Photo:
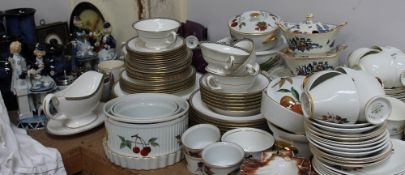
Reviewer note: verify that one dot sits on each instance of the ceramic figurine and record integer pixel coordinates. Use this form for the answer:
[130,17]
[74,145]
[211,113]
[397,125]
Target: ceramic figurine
[19,84]
[56,60]
[82,46]
[38,67]
[107,44]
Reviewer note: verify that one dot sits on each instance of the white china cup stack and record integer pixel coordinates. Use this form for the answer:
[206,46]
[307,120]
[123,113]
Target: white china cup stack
[345,112]
[312,46]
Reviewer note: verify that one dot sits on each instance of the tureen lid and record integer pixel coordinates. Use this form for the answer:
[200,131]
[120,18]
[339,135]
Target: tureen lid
[309,26]
[254,22]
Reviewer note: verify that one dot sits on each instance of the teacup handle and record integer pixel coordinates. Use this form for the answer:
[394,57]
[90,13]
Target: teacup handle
[47,102]
[252,70]
[211,83]
[172,38]
[229,63]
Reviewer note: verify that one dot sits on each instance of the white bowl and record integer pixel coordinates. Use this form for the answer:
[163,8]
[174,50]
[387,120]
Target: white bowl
[253,141]
[197,137]
[222,157]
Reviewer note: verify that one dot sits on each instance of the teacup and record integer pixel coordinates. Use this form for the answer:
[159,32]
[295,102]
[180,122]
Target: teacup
[337,100]
[114,67]
[367,85]
[253,141]
[396,121]
[76,104]
[230,83]
[222,158]
[197,137]
[157,33]
[223,59]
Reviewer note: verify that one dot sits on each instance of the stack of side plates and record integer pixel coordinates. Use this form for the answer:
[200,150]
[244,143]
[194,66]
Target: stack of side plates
[348,145]
[243,103]
[394,164]
[201,113]
[398,93]
[165,70]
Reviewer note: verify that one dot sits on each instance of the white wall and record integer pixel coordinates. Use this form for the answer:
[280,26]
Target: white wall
[370,22]
[49,10]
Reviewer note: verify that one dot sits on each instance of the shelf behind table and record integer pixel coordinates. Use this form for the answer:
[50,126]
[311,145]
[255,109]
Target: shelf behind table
[84,154]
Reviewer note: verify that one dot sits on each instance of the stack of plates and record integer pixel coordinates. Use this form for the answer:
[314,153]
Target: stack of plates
[394,164]
[165,70]
[243,103]
[201,113]
[348,145]
[398,93]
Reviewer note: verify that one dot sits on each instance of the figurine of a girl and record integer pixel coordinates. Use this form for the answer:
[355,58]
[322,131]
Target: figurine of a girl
[82,46]
[107,44]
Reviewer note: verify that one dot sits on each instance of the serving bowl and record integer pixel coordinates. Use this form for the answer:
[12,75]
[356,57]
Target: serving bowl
[310,37]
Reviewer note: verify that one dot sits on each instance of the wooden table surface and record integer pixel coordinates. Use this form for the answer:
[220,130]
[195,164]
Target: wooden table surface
[83,153]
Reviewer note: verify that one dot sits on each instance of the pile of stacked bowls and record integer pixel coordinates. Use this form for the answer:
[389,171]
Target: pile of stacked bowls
[230,93]
[345,112]
[311,46]
[157,59]
[261,27]
[143,130]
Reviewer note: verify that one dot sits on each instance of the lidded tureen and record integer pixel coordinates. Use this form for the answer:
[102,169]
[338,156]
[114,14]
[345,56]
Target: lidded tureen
[260,26]
[308,26]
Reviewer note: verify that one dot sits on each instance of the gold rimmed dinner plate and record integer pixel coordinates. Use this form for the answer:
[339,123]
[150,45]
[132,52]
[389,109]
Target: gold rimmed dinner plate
[157,87]
[140,83]
[137,46]
[168,78]
[163,67]
[222,97]
[169,59]
[171,90]
[224,104]
[158,70]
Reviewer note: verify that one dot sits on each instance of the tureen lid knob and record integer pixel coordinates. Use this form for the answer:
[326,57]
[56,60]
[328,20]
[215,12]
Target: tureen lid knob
[309,18]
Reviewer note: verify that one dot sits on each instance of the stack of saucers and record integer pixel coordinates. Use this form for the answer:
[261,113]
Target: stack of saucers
[158,60]
[143,130]
[349,145]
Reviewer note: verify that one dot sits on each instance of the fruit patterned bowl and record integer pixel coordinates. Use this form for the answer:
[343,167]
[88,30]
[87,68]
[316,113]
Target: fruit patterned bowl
[281,103]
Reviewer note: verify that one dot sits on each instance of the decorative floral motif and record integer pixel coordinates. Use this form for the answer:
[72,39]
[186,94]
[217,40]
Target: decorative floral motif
[334,119]
[302,44]
[140,145]
[313,67]
[261,26]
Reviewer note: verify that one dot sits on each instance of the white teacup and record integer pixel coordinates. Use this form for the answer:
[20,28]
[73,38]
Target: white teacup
[76,104]
[157,33]
[396,121]
[114,67]
[197,137]
[222,157]
[229,83]
[367,86]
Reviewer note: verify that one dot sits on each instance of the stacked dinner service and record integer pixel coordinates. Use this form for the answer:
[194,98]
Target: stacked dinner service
[262,28]
[312,46]
[143,130]
[157,59]
[230,93]
[355,134]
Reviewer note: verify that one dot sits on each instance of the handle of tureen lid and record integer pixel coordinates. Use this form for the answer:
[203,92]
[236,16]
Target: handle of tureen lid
[341,25]
[211,83]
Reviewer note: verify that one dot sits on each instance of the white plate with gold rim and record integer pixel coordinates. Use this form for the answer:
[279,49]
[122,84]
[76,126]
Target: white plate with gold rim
[345,125]
[360,144]
[137,45]
[260,83]
[344,130]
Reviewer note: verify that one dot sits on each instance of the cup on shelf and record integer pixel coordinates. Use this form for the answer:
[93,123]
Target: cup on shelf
[157,33]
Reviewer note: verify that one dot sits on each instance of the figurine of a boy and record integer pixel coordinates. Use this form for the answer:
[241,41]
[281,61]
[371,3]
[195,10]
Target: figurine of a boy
[82,46]
[107,44]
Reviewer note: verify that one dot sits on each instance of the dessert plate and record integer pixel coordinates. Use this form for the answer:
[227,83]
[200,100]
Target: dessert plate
[138,45]
[57,127]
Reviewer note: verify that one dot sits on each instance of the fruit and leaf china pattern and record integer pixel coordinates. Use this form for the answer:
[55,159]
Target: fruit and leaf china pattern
[315,66]
[303,44]
[140,145]
[334,119]
[282,144]
[292,99]
[254,21]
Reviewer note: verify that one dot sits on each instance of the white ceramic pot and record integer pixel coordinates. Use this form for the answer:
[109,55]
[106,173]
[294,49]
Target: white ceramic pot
[194,165]
[197,137]
[145,140]
[259,26]
[157,33]
[253,141]
[308,64]
[230,83]
[76,104]
[223,59]
[222,158]
[310,37]
[367,86]
[296,142]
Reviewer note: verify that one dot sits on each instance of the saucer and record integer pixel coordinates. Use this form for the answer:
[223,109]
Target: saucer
[56,127]
[137,45]
[260,83]
[117,90]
